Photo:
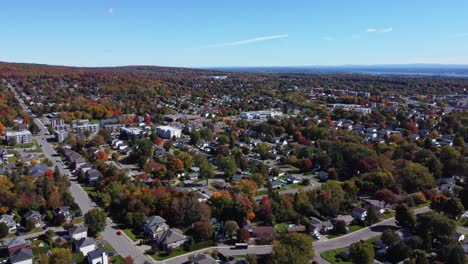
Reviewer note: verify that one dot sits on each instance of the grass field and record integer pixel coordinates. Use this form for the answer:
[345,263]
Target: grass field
[330,256]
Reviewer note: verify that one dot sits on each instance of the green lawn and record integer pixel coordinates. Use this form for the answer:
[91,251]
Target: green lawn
[330,256]
[261,193]
[162,255]
[90,190]
[388,214]
[352,228]
[292,168]
[297,186]
[130,234]
[77,220]
[36,149]
[423,204]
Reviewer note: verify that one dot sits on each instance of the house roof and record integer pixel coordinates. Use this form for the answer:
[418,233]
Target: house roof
[31,213]
[359,210]
[38,170]
[21,255]
[16,241]
[203,259]
[9,220]
[84,242]
[173,235]
[263,231]
[96,254]
[78,230]
[93,174]
[154,220]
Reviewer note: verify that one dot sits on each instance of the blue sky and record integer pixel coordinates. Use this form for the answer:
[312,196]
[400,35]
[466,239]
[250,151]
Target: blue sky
[233,33]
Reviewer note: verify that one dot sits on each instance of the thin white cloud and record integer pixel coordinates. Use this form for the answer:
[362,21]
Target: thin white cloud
[328,38]
[379,30]
[110,11]
[461,35]
[247,41]
[355,36]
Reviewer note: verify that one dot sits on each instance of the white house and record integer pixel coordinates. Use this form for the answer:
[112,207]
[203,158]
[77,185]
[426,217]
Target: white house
[85,245]
[168,132]
[78,232]
[98,256]
[359,213]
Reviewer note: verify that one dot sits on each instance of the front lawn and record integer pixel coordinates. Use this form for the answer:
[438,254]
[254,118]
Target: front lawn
[160,256]
[330,256]
[130,234]
[77,220]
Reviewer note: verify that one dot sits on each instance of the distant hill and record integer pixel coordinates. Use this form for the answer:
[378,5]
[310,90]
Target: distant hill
[35,69]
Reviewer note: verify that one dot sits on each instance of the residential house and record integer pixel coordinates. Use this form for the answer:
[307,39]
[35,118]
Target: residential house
[98,256]
[172,238]
[446,184]
[16,243]
[293,180]
[85,245]
[359,213]
[92,175]
[322,175]
[154,225]
[78,232]
[203,259]
[35,216]
[38,170]
[65,212]
[22,256]
[318,226]
[263,232]
[9,220]
[348,219]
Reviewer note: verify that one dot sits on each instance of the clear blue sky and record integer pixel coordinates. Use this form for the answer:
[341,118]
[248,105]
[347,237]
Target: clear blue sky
[233,33]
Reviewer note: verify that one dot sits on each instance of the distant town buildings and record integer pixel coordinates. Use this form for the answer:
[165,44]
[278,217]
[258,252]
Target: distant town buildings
[168,132]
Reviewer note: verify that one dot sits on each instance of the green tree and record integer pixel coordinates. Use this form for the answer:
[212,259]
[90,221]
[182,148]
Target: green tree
[293,249]
[95,219]
[60,255]
[405,216]
[414,177]
[331,197]
[195,138]
[390,237]
[207,171]
[362,253]
[231,227]
[228,165]
[30,225]
[372,216]
[4,229]
[251,258]
[437,225]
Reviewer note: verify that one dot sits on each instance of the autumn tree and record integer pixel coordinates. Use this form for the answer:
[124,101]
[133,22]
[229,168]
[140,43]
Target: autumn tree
[202,231]
[60,255]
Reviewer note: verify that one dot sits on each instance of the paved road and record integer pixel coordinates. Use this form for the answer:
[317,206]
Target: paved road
[122,244]
[225,250]
[363,234]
